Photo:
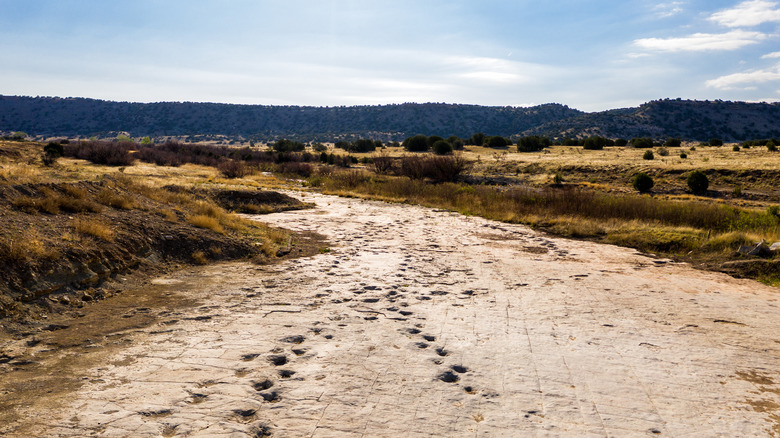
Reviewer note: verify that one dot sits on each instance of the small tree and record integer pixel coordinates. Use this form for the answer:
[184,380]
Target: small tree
[642,182]
[698,182]
[621,142]
[147,141]
[319,147]
[771,146]
[648,155]
[673,143]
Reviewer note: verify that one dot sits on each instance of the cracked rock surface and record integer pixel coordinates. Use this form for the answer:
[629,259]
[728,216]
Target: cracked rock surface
[420,322]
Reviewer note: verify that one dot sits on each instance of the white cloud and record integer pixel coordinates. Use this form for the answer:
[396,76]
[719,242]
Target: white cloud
[666,10]
[748,13]
[771,55]
[700,42]
[746,79]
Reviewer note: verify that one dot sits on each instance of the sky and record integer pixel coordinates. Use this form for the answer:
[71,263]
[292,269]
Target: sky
[592,55]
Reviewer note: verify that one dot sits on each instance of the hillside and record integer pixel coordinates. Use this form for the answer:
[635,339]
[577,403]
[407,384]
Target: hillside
[686,119]
[77,116]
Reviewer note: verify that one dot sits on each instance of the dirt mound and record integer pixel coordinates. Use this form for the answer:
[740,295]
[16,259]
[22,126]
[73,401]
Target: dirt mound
[248,201]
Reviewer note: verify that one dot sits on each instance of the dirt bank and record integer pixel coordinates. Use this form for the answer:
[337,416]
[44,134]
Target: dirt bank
[66,244]
[418,322]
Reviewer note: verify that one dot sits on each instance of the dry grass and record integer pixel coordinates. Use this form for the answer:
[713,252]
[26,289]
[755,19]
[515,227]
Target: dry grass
[200,257]
[94,228]
[208,222]
[111,198]
[24,250]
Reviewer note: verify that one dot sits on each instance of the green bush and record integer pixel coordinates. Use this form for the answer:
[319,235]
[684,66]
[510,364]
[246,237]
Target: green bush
[497,142]
[771,146]
[418,143]
[663,152]
[532,143]
[442,147]
[735,148]
[594,143]
[648,155]
[319,147]
[715,142]
[673,142]
[698,182]
[621,142]
[642,182]
[641,142]
[683,155]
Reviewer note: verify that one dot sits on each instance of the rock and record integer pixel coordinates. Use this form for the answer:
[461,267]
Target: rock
[86,297]
[760,249]
[65,300]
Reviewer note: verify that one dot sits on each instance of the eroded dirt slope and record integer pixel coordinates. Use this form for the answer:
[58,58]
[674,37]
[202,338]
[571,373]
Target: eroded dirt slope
[428,323]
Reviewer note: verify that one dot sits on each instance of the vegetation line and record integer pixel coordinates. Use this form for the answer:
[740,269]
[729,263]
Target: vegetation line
[693,231]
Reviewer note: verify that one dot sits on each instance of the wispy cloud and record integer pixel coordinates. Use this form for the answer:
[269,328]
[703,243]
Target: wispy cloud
[702,42]
[666,10]
[748,13]
[746,80]
[771,55]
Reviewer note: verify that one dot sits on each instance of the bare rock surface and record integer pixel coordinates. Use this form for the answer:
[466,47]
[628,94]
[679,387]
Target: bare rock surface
[419,322]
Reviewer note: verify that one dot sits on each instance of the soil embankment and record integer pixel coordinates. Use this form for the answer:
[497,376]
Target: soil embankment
[417,322]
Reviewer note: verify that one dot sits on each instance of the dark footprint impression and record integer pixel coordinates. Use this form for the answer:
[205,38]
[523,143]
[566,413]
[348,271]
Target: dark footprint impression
[448,377]
[278,360]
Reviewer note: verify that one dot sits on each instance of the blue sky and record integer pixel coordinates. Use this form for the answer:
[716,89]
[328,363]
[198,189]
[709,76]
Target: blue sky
[589,54]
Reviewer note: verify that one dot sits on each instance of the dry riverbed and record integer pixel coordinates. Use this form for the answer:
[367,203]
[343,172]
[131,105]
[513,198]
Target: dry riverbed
[419,322]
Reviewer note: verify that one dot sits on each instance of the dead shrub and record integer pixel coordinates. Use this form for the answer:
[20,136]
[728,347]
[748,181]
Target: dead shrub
[233,169]
[297,168]
[435,168]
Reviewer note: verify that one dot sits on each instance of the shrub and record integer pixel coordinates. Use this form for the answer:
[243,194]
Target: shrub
[557,179]
[683,155]
[663,152]
[199,257]
[594,143]
[698,182]
[285,145]
[673,142]
[442,147]
[735,148]
[621,142]
[477,139]
[532,143]
[102,152]
[715,142]
[418,143]
[437,168]
[319,147]
[648,155]
[54,149]
[233,169]
[297,168]
[362,145]
[771,146]
[642,182]
[641,142]
[383,165]
[497,141]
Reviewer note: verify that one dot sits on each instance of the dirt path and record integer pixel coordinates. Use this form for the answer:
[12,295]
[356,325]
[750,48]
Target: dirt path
[427,323]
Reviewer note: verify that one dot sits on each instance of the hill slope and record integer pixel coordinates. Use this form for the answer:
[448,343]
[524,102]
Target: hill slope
[686,119]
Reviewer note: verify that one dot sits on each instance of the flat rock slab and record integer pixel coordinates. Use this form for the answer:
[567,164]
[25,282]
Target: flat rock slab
[419,322]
